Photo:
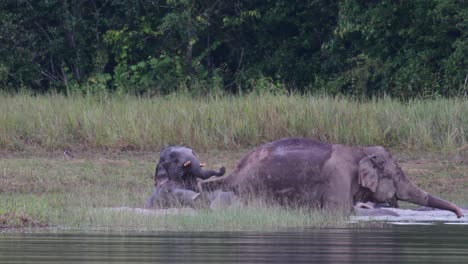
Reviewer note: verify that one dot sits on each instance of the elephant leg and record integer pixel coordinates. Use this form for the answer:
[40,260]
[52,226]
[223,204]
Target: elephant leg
[337,192]
[152,201]
[185,196]
[222,200]
[212,183]
[332,205]
[168,195]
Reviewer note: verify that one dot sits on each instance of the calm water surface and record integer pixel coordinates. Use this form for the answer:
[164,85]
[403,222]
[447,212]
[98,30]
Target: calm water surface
[397,244]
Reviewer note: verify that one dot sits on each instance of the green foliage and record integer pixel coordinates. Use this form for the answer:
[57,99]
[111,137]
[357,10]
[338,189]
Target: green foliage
[361,48]
[402,48]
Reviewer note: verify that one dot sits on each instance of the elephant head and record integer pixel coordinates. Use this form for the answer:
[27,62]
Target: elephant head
[180,164]
[176,178]
[382,176]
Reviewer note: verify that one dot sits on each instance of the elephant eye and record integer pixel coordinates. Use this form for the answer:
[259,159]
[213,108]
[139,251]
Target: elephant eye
[176,161]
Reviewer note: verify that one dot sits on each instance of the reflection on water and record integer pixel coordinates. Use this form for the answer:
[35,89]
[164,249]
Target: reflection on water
[398,244]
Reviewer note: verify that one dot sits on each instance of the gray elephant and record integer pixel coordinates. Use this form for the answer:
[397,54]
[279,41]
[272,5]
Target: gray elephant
[176,176]
[171,194]
[307,172]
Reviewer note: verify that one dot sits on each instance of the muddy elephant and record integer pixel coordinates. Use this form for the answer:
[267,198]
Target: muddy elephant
[176,178]
[307,172]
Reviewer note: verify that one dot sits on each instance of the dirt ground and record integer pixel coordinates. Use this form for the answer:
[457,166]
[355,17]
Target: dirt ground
[440,172]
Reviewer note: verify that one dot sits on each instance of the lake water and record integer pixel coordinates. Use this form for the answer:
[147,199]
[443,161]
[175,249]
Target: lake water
[395,244]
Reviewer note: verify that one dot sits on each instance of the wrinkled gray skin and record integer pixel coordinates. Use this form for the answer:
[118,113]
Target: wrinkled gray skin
[175,183]
[171,194]
[307,172]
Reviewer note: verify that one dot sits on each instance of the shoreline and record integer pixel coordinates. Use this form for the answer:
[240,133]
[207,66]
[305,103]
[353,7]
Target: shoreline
[52,189]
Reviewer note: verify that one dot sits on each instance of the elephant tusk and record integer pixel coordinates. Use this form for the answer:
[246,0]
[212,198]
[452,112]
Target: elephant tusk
[186,164]
[160,181]
[202,165]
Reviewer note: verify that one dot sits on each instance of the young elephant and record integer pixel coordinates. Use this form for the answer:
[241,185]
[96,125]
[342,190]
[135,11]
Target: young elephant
[180,164]
[176,177]
[315,174]
[171,194]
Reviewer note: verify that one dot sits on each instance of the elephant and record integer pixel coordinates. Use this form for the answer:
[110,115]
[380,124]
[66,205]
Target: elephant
[307,172]
[176,176]
[180,164]
[171,194]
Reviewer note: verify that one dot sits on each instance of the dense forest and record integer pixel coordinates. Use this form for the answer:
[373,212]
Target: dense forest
[405,49]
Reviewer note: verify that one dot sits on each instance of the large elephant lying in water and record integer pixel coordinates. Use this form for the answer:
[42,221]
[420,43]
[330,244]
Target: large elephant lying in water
[176,178]
[307,172]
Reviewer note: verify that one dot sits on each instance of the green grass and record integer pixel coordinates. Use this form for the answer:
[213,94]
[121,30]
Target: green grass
[73,194]
[130,123]
[240,218]
[36,180]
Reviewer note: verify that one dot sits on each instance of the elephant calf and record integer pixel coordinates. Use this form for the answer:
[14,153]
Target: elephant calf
[315,174]
[176,177]
[171,194]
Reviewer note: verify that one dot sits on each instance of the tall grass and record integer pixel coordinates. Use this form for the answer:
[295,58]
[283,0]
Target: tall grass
[55,121]
[238,218]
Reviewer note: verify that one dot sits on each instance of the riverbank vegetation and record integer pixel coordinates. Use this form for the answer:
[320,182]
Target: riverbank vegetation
[64,159]
[73,194]
[56,122]
[90,91]
[85,193]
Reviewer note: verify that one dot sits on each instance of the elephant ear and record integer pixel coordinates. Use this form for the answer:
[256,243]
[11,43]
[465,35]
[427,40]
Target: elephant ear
[368,176]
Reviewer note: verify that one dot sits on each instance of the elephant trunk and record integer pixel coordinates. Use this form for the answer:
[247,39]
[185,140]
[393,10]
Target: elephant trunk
[197,171]
[415,195]
[436,202]
[209,173]
[185,195]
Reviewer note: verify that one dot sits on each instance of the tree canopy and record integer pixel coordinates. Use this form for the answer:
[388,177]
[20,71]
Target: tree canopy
[356,47]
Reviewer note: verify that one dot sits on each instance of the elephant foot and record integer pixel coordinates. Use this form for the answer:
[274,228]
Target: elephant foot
[223,200]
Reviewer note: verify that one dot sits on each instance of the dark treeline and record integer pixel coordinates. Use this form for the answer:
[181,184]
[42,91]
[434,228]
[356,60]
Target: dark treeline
[400,48]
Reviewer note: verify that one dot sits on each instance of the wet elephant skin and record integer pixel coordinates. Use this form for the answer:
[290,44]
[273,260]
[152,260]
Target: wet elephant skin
[307,172]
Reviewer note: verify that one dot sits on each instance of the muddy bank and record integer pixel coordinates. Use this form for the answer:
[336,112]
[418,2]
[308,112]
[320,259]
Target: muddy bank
[390,215]
[14,220]
[407,216]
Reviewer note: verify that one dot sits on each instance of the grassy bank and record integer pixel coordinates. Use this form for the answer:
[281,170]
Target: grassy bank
[130,123]
[40,186]
[71,194]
